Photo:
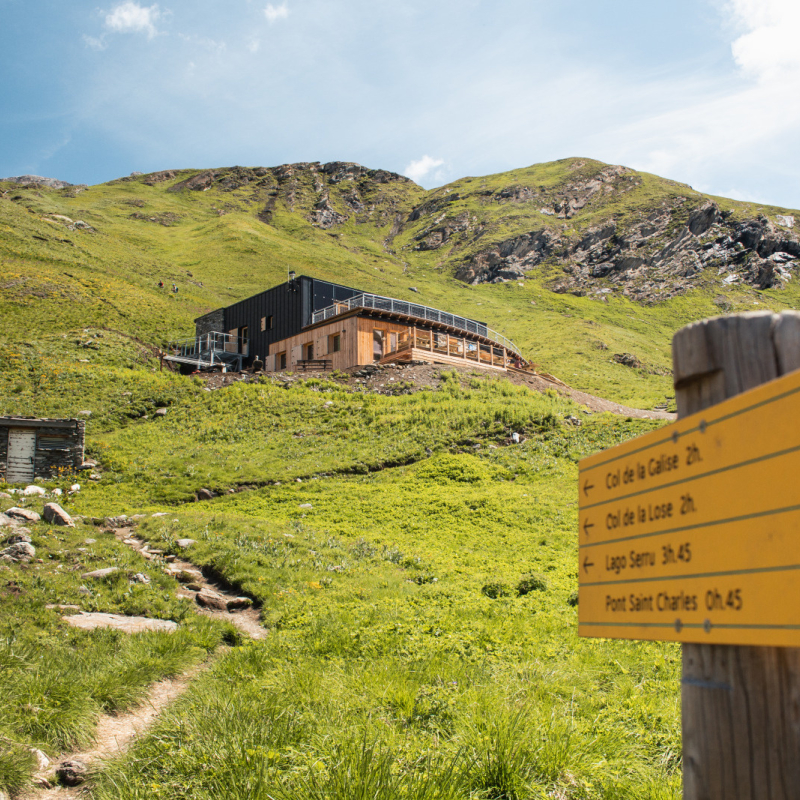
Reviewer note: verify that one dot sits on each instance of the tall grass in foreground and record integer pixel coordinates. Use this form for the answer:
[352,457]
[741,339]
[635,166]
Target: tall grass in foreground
[261,728]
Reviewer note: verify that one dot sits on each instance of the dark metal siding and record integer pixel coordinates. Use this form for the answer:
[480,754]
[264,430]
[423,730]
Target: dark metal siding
[284,303]
[290,306]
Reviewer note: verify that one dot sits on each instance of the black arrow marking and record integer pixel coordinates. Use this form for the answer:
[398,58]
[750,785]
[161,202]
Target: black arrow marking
[586,487]
[586,526]
[587,564]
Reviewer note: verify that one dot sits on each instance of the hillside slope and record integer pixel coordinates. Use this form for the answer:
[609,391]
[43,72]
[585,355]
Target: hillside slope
[588,267]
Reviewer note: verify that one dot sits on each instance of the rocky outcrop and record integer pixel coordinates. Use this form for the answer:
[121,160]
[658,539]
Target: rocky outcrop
[660,255]
[510,259]
[325,215]
[38,180]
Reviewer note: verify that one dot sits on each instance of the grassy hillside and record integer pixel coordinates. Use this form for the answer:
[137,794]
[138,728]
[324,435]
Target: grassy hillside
[421,617]
[225,234]
[415,569]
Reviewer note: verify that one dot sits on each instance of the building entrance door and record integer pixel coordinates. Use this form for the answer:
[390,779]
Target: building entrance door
[377,345]
[21,450]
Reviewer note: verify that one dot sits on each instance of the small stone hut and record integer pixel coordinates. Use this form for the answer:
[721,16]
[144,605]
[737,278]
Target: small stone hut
[39,448]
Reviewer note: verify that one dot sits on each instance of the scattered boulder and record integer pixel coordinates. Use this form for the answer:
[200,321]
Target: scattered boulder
[19,551]
[205,494]
[19,535]
[184,543]
[237,603]
[208,598]
[89,620]
[101,573]
[23,513]
[117,522]
[4,520]
[627,360]
[160,412]
[76,487]
[55,515]
[184,574]
[305,505]
[5,496]
[42,761]
[140,577]
[72,772]
[85,412]
[34,491]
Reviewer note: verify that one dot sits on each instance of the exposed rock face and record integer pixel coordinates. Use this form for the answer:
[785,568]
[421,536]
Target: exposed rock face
[510,259]
[653,259]
[330,194]
[38,180]
[325,216]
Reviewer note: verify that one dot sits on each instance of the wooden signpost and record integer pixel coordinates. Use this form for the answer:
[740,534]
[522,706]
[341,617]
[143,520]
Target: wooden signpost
[692,534]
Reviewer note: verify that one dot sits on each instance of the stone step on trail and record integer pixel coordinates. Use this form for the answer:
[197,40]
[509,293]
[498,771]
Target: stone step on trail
[212,598]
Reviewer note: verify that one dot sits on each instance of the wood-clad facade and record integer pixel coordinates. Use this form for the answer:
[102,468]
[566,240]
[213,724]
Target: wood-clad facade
[310,323]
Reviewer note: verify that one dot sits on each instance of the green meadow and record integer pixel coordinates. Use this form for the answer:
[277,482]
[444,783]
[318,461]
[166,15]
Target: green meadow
[415,570]
[419,586]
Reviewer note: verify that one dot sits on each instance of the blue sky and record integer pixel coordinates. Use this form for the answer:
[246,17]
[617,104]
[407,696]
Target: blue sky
[701,91]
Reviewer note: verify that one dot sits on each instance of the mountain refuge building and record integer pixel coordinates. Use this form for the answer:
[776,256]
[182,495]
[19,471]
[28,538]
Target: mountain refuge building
[310,323]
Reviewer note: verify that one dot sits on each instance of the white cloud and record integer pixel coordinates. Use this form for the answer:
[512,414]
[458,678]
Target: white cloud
[253,45]
[274,13]
[417,170]
[130,17]
[95,43]
[768,49]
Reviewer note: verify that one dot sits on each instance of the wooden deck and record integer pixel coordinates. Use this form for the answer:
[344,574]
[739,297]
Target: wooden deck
[417,354]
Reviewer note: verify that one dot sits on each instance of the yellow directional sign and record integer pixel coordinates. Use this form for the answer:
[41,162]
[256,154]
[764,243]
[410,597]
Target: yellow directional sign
[691,533]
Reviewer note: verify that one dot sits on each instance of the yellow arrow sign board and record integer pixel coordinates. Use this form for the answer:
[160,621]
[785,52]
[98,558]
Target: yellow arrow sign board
[691,533]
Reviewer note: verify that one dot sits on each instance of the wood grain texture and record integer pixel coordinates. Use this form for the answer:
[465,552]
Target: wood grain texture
[740,705]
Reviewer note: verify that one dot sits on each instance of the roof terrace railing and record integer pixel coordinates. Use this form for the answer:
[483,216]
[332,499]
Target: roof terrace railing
[208,350]
[407,309]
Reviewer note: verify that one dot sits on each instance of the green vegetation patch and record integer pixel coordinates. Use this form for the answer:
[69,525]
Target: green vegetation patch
[388,670]
[60,678]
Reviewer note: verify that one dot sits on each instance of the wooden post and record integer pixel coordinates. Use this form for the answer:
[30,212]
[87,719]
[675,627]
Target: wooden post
[740,705]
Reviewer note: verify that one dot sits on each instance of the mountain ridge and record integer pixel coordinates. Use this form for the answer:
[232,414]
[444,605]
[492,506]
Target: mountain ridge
[559,256]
